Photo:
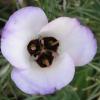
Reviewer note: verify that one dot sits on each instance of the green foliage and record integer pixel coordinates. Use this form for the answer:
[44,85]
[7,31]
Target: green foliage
[86,84]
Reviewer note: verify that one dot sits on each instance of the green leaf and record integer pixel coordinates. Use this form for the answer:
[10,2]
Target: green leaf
[66,93]
[80,81]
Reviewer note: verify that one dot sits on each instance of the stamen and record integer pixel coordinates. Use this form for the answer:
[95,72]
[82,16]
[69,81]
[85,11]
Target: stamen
[55,43]
[43,50]
[51,43]
[33,47]
[46,62]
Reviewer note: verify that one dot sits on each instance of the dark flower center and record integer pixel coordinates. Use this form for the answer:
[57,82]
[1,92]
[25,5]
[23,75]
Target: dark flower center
[44,49]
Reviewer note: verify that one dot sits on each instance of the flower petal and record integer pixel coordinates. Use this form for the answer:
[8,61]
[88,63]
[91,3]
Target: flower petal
[21,27]
[77,40]
[45,80]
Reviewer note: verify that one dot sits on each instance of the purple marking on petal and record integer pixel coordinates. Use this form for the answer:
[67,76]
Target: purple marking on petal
[47,81]
[18,32]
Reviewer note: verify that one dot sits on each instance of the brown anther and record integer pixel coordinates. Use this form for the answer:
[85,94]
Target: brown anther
[33,47]
[46,62]
[55,43]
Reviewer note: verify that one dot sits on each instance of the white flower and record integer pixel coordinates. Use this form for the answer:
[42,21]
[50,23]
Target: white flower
[44,55]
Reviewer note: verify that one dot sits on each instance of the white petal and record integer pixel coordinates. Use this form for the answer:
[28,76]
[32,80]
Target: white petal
[77,40]
[45,80]
[21,27]
[22,82]
[81,45]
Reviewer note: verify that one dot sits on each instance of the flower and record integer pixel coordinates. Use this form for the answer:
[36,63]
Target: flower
[44,55]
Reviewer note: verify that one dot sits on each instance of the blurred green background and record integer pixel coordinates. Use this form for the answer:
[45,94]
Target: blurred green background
[86,84]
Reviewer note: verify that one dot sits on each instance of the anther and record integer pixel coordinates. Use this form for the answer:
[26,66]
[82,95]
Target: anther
[33,47]
[46,62]
[55,43]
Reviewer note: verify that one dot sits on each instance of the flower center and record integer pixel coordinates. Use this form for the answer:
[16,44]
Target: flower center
[43,49]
